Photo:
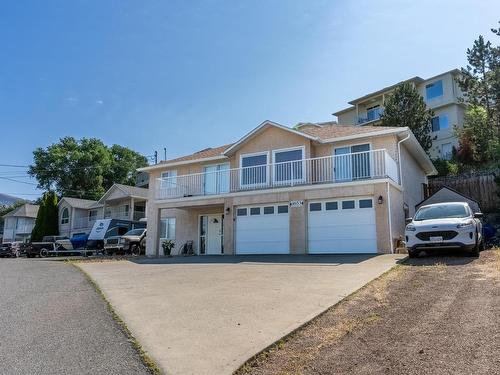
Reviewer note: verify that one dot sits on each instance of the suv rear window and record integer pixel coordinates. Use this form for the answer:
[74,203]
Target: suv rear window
[442,211]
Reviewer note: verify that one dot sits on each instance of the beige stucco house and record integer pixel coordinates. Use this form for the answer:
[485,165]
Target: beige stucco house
[318,188]
[441,93]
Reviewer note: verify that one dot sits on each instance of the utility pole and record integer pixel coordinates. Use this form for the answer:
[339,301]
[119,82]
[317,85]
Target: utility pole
[156,157]
[165,153]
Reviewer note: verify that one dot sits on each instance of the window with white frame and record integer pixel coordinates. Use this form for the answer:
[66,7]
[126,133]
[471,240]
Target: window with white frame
[65,216]
[167,228]
[169,179]
[446,151]
[254,169]
[288,165]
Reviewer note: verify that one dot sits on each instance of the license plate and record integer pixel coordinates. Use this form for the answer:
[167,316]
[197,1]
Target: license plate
[436,239]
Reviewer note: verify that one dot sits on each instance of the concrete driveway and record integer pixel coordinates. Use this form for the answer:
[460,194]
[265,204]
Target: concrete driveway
[207,315]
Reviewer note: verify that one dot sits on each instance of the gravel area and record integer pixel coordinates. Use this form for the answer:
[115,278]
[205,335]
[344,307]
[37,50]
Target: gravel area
[53,322]
[433,315]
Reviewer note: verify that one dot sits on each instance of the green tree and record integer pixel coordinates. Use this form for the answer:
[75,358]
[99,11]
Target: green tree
[477,139]
[124,163]
[480,79]
[84,168]
[406,107]
[46,222]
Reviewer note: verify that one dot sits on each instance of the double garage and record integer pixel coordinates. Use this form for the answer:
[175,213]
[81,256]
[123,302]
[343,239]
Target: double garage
[334,226]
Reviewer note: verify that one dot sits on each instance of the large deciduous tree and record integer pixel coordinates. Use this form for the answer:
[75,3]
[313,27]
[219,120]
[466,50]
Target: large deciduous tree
[406,107]
[84,168]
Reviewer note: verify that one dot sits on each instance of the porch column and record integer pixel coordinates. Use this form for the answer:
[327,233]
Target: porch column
[132,203]
[152,238]
[298,224]
[229,218]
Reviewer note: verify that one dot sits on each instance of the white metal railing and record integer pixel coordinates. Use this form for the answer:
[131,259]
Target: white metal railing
[329,169]
[84,222]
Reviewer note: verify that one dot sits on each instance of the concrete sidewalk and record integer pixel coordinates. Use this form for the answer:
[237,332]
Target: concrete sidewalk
[207,315]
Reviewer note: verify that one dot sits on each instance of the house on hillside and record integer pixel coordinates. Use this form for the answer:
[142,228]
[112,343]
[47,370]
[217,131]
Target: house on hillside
[313,189]
[122,202]
[441,93]
[19,223]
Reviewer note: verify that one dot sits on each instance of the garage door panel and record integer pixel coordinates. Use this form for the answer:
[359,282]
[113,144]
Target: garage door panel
[340,231]
[263,233]
[342,246]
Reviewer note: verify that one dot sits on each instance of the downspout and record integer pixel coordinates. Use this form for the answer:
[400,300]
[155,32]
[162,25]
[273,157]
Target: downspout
[399,158]
[390,215]
[389,189]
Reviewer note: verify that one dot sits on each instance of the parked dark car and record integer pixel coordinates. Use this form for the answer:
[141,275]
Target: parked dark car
[8,251]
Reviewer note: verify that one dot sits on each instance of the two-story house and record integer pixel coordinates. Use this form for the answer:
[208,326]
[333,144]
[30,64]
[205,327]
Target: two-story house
[121,202]
[19,223]
[318,188]
[441,93]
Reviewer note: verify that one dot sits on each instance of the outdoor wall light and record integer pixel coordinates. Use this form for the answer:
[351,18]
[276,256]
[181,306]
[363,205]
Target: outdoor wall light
[380,199]
[228,210]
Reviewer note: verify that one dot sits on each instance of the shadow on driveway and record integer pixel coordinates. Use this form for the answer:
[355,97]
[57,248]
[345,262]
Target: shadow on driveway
[320,260]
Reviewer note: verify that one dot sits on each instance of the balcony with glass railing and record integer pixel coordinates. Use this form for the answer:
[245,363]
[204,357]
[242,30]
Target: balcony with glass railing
[367,165]
[373,114]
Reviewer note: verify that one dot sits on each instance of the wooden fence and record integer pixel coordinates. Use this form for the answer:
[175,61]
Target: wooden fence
[479,186]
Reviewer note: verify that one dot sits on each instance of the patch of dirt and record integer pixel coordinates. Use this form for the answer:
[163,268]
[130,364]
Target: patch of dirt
[433,315]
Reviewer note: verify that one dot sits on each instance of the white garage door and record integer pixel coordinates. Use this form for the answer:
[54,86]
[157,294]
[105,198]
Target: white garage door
[342,226]
[262,229]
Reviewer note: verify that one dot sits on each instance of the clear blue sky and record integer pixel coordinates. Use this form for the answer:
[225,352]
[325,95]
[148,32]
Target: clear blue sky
[191,74]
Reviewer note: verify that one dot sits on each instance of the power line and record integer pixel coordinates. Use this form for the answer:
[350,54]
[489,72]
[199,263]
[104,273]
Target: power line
[14,166]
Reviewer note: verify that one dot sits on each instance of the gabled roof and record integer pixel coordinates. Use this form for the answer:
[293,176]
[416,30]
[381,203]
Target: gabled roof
[445,187]
[78,202]
[127,190]
[323,132]
[26,210]
[266,124]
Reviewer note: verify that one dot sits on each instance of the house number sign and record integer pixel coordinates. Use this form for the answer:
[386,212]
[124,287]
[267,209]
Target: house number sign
[295,204]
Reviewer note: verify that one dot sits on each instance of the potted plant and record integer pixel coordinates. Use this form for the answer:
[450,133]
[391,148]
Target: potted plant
[167,246]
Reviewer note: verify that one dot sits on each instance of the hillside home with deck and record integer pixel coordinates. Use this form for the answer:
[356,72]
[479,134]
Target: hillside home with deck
[315,189]
[122,202]
[441,93]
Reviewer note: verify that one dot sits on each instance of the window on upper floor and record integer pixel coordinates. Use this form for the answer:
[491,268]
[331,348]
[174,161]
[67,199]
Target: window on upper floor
[288,165]
[65,216]
[254,169]
[446,151]
[434,90]
[169,179]
[439,123]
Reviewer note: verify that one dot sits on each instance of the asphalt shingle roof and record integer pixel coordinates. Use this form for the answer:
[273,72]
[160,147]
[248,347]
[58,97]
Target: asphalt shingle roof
[26,210]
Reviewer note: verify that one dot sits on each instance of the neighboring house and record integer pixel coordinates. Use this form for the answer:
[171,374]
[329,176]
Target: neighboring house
[77,216]
[441,93]
[19,223]
[447,194]
[319,188]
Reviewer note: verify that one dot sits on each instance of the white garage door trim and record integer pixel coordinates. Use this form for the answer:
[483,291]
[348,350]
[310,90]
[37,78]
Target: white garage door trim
[262,229]
[342,226]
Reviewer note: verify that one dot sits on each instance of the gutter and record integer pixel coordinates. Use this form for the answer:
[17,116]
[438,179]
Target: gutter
[390,216]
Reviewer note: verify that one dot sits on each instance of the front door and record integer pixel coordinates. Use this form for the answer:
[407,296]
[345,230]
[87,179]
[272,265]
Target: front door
[214,235]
